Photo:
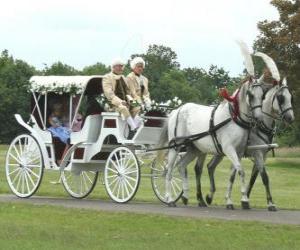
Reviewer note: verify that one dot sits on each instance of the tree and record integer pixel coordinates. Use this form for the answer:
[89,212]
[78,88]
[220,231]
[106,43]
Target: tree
[14,76]
[96,69]
[174,83]
[58,68]
[281,40]
[159,60]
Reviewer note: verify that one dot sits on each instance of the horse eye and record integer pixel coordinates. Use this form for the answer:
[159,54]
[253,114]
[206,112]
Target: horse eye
[280,99]
[250,94]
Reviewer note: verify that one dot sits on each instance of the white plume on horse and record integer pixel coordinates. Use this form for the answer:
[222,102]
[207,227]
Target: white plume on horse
[248,62]
[270,64]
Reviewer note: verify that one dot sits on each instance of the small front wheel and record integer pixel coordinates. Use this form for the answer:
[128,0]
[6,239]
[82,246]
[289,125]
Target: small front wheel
[79,183]
[158,181]
[122,175]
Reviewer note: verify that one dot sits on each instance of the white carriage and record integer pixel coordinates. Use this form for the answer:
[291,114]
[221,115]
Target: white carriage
[99,146]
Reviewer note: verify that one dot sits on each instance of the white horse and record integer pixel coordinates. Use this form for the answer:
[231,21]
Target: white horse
[277,103]
[191,119]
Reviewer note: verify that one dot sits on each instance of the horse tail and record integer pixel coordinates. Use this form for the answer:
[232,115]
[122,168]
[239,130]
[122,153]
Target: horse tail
[162,142]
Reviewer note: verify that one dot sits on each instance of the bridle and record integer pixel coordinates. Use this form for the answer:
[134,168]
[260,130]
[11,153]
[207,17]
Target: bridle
[280,99]
[251,96]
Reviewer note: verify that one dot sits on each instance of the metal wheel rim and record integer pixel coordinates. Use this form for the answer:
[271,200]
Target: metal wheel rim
[158,181]
[24,166]
[121,175]
[79,184]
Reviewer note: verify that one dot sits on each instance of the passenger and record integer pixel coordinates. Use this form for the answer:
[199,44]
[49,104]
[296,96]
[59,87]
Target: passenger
[138,86]
[77,123]
[57,127]
[117,92]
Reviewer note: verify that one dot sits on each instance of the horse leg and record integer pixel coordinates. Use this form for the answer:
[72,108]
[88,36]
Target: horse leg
[198,173]
[229,203]
[232,155]
[211,167]
[184,161]
[260,164]
[253,177]
[172,154]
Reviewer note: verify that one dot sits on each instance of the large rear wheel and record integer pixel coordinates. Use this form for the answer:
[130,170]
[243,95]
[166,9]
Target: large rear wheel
[24,166]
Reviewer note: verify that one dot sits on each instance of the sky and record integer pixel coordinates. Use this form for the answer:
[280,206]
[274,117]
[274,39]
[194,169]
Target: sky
[81,33]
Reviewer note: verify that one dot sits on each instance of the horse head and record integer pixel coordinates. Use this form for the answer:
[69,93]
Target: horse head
[282,102]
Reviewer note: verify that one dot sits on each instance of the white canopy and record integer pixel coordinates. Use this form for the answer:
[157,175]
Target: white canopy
[61,84]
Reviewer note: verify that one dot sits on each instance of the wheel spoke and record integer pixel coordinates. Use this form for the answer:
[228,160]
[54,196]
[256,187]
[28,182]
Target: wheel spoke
[17,152]
[17,160]
[17,175]
[129,184]
[34,159]
[130,172]
[112,176]
[12,172]
[114,188]
[113,181]
[20,147]
[176,185]
[26,181]
[31,180]
[87,176]
[116,172]
[115,165]
[118,163]
[23,183]
[84,181]
[36,175]
[129,177]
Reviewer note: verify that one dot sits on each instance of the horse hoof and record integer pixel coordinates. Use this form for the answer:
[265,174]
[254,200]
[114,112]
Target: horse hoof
[230,206]
[202,204]
[208,199]
[272,208]
[184,200]
[245,204]
[172,204]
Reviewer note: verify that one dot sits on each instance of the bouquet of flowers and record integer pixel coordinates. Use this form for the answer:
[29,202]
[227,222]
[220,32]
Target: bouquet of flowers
[103,102]
[164,107]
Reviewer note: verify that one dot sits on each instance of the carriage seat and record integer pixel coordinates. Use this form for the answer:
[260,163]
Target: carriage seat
[90,130]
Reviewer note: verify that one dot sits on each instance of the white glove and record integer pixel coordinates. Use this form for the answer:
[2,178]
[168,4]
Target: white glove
[147,104]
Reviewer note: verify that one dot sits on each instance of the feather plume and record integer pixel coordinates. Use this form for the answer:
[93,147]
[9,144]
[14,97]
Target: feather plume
[270,64]
[247,57]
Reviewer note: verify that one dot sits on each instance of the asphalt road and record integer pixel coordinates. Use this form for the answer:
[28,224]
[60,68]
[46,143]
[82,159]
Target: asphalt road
[262,215]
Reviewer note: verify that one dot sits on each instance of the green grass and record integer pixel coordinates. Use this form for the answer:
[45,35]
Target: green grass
[46,227]
[284,173]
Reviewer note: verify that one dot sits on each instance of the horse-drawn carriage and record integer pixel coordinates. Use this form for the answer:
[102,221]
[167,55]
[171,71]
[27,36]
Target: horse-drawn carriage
[100,145]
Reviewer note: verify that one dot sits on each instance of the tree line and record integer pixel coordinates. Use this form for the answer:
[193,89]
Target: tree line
[280,39]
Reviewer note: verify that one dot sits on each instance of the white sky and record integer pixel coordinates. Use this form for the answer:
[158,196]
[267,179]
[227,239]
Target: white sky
[81,33]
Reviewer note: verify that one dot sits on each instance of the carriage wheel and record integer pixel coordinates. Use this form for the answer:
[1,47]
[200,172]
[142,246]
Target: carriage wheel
[158,181]
[24,166]
[79,183]
[122,175]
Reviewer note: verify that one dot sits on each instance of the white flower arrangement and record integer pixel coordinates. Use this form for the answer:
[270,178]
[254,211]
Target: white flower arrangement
[71,88]
[164,107]
[73,85]
[103,102]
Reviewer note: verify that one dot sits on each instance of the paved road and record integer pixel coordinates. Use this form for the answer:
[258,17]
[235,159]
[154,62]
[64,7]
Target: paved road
[279,217]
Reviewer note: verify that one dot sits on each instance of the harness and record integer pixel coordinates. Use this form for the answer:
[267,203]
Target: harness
[186,140]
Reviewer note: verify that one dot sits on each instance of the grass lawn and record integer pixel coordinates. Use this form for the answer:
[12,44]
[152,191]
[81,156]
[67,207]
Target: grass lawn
[35,227]
[44,227]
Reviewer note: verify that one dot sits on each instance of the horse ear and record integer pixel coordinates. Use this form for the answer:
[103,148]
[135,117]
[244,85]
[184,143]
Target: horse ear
[284,82]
